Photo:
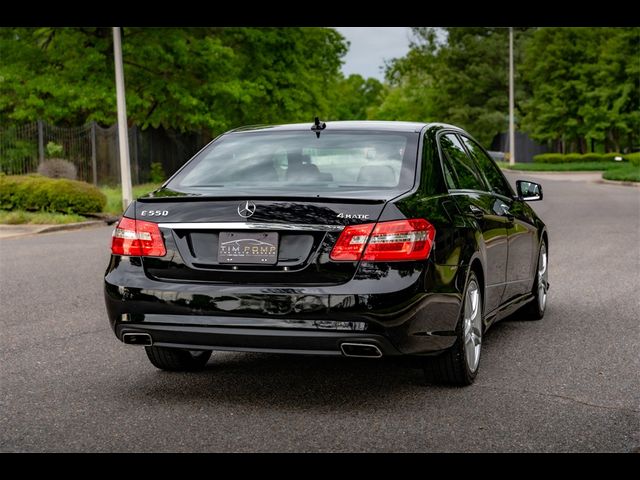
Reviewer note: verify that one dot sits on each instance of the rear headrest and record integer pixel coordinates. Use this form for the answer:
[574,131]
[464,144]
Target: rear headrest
[381,175]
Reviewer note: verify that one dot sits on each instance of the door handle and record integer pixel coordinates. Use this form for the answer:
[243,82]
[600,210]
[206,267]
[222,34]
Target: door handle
[505,210]
[476,212]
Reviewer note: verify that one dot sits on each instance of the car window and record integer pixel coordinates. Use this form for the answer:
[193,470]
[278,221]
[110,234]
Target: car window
[449,175]
[491,171]
[468,177]
[301,161]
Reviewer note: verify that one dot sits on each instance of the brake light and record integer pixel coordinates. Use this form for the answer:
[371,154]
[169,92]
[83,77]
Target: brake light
[137,238]
[351,243]
[395,241]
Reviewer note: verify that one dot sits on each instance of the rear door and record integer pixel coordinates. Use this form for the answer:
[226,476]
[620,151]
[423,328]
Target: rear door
[469,189]
[521,229]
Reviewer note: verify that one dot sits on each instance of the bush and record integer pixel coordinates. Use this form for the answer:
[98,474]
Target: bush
[576,157]
[58,168]
[53,150]
[34,192]
[157,173]
[634,158]
[609,157]
[627,172]
[549,158]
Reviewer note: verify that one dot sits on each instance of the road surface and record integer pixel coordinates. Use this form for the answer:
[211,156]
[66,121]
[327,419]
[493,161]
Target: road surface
[570,382]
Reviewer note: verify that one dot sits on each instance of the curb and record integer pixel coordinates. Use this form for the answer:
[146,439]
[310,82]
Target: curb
[618,182]
[71,226]
[7,233]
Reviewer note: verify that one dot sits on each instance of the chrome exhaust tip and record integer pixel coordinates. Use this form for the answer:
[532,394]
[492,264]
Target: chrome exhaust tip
[143,339]
[361,350]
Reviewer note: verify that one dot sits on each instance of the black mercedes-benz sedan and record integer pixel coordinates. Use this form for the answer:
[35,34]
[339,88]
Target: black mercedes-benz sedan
[361,239]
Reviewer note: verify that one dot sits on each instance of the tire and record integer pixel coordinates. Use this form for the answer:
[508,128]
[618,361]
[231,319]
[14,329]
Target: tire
[534,310]
[177,359]
[459,365]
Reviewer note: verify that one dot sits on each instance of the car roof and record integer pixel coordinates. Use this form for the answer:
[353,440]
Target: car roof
[346,125]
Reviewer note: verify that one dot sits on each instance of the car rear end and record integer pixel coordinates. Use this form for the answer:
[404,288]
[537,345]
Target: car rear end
[273,240]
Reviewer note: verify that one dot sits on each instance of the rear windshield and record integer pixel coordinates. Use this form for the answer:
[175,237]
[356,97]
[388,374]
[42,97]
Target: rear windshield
[299,161]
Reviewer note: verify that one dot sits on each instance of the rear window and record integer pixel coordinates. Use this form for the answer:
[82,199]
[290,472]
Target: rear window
[299,161]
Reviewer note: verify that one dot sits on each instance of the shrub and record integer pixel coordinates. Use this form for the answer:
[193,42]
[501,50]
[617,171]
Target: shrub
[576,157]
[592,157]
[58,168]
[53,150]
[634,158]
[609,157]
[549,158]
[157,173]
[627,173]
[34,192]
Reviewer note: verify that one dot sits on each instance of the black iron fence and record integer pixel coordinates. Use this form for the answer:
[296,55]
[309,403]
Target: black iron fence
[94,150]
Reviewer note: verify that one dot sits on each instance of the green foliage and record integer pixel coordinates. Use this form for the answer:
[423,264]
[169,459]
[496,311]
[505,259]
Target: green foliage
[19,217]
[53,150]
[564,167]
[626,173]
[559,158]
[633,158]
[462,81]
[34,192]
[157,173]
[186,79]
[114,195]
[353,96]
[14,151]
[583,84]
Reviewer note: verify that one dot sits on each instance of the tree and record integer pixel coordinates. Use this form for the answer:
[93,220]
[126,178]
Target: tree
[188,79]
[454,75]
[354,96]
[583,87]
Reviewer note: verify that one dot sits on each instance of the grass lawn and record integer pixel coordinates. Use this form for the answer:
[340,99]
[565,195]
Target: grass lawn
[114,196]
[20,217]
[628,173]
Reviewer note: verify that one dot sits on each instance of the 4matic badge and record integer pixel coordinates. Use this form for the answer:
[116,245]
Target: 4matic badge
[359,216]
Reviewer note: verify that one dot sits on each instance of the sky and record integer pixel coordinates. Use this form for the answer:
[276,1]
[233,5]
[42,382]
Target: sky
[371,46]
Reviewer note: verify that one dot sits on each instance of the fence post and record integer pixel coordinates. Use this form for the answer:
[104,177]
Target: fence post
[40,142]
[94,163]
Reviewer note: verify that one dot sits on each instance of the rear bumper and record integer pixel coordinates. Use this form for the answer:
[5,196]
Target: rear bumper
[399,314]
[255,339]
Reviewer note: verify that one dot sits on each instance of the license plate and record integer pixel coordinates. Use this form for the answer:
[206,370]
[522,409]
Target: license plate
[248,247]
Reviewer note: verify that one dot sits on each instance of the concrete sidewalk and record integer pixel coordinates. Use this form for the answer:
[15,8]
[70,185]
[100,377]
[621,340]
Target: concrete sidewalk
[12,231]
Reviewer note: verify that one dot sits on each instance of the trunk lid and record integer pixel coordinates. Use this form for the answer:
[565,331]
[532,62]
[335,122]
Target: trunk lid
[306,229]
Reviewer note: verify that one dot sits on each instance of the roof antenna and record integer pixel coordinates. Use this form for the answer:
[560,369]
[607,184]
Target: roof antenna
[318,126]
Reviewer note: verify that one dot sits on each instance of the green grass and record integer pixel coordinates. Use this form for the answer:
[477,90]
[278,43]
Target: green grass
[627,173]
[114,196]
[564,167]
[21,217]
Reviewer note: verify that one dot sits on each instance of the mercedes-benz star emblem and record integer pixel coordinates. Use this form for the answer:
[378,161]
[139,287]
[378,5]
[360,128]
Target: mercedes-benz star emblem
[246,209]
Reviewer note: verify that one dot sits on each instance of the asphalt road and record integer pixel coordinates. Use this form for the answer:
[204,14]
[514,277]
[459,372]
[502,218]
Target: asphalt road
[570,382]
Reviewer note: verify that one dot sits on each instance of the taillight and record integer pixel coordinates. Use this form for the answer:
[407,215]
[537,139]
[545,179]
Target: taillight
[137,238]
[395,241]
[351,242]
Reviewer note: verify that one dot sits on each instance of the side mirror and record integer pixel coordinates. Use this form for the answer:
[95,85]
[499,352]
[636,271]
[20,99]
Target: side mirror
[528,191]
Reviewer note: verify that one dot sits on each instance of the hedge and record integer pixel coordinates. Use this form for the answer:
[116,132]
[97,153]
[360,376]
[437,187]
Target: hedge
[35,192]
[577,157]
[634,158]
